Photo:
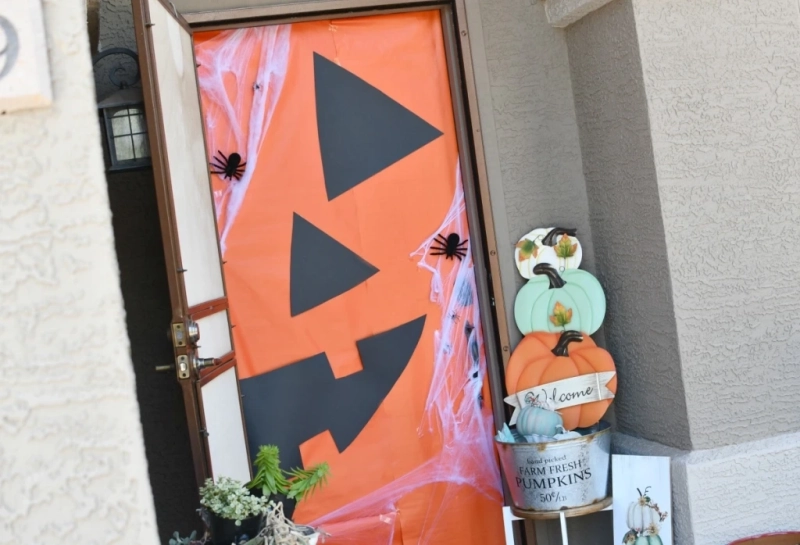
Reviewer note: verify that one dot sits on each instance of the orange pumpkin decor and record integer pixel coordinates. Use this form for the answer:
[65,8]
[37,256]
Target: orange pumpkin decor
[348,266]
[544,358]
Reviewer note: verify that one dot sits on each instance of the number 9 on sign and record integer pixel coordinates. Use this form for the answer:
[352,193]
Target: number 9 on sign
[9,46]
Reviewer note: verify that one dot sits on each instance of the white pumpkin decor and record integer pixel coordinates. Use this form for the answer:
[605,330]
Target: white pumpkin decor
[555,246]
[644,520]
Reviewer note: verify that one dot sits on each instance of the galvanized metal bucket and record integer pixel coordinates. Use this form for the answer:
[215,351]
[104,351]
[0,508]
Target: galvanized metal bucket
[559,474]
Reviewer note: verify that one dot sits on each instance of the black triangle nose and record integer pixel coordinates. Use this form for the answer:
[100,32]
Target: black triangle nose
[310,284]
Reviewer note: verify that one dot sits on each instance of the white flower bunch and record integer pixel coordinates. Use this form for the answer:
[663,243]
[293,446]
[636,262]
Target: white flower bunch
[230,499]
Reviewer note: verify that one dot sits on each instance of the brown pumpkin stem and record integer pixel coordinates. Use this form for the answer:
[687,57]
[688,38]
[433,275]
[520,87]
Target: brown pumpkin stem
[550,239]
[562,347]
[548,270]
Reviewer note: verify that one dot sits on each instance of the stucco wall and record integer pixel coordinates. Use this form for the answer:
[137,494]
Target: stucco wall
[72,466]
[115,30]
[627,227]
[723,92]
[529,130]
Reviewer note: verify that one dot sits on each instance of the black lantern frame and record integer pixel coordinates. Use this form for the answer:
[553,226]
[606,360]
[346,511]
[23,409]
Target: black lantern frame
[123,114]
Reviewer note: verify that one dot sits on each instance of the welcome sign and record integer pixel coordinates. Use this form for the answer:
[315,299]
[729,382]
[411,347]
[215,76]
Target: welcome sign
[563,393]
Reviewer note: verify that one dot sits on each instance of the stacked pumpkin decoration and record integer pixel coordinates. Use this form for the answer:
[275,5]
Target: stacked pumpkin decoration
[644,521]
[557,310]
[542,358]
[555,246]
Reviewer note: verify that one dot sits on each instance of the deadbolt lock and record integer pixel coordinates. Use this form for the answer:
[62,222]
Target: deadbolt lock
[192,331]
[183,334]
[178,335]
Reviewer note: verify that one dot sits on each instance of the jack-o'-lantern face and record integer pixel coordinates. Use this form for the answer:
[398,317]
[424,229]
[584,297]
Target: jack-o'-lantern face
[344,234]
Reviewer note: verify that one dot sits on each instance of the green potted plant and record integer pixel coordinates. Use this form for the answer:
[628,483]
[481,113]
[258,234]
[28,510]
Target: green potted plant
[235,512]
[232,512]
[277,484]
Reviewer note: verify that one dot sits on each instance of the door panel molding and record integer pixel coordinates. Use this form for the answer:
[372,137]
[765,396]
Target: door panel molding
[183,187]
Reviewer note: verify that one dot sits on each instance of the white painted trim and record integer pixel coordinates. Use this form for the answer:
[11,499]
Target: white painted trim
[562,13]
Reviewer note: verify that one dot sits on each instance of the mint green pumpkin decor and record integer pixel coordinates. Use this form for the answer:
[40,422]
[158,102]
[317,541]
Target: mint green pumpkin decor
[648,540]
[555,303]
[538,421]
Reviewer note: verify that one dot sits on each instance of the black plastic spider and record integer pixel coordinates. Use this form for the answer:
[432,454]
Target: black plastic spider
[229,167]
[450,246]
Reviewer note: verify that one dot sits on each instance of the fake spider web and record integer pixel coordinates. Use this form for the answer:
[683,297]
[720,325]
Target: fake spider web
[228,61]
[454,411]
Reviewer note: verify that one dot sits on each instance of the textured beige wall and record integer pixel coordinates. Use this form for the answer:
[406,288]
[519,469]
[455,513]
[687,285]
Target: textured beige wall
[625,210]
[188,6]
[723,92]
[562,13]
[72,466]
[529,130]
[115,30]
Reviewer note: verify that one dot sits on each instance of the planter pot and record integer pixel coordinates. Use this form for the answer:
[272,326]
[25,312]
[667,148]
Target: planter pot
[224,531]
[566,474]
[310,533]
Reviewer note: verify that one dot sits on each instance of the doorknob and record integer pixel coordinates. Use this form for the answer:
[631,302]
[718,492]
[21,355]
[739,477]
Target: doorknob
[203,363]
[183,363]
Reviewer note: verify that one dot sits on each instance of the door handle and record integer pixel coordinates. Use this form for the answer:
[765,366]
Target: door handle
[183,362]
[203,363]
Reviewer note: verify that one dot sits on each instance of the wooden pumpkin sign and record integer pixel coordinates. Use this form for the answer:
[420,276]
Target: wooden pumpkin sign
[553,302]
[546,358]
[555,246]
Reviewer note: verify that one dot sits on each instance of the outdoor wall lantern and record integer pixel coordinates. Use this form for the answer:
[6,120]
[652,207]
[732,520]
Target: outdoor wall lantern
[124,124]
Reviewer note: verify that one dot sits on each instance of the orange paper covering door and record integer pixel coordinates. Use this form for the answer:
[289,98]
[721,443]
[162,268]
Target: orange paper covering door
[346,292]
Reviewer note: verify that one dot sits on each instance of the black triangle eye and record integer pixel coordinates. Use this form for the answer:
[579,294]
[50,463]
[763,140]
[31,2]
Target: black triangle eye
[362,130]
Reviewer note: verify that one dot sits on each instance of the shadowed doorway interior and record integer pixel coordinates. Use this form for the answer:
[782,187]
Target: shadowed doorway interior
[145,291]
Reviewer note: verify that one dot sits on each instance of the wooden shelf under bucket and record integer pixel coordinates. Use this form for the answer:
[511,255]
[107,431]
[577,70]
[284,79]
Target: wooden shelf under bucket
[568,513]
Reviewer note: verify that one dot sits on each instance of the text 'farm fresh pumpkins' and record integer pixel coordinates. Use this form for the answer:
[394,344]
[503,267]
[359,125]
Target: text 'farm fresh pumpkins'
[552,302]
[542,358]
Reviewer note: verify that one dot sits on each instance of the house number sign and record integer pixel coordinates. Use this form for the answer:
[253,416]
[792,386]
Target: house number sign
[24,65]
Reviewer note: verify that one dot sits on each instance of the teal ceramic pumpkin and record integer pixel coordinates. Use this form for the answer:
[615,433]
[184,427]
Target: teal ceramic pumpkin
[538,421]
[552,302]
[648,540]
